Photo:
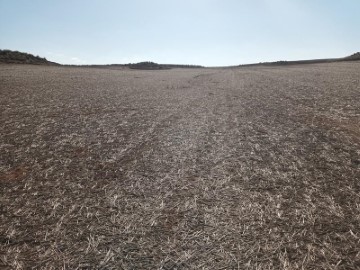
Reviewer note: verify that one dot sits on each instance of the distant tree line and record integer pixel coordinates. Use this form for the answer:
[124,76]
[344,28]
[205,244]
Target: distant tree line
[16,57]
[152,66]
[353,57]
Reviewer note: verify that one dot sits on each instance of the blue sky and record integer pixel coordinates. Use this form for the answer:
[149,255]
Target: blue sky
[206,32]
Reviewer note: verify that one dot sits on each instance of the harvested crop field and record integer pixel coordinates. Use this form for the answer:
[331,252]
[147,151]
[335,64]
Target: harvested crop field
[243,168]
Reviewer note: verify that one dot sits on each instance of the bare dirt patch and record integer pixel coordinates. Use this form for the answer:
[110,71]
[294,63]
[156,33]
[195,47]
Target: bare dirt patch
[251,168]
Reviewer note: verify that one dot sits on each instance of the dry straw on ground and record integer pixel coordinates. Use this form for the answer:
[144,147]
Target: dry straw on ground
[251,168]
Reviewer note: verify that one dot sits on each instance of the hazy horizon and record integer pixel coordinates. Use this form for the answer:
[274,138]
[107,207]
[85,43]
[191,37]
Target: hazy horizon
[209,33]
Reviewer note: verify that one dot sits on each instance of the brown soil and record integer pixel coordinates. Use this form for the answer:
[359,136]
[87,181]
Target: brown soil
[249,168]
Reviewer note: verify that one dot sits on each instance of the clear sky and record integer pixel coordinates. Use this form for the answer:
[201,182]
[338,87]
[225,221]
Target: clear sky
[206,32]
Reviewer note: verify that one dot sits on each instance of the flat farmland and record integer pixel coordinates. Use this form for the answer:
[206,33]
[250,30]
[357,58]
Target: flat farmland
[237,168]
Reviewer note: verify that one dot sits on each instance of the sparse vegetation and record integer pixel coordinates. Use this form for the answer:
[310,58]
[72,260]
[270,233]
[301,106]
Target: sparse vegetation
[253,168]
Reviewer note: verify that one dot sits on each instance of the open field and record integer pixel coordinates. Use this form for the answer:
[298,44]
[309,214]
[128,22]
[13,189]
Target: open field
[247,168]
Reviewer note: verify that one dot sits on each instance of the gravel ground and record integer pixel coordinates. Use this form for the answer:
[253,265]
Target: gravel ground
[248,168]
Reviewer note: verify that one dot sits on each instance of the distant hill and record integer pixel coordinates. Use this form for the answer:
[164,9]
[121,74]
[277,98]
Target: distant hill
[353,57]
[147,65]
[152,66]
[143,66]
[15,57]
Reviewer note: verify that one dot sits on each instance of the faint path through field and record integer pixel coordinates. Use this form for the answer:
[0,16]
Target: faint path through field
[237,168]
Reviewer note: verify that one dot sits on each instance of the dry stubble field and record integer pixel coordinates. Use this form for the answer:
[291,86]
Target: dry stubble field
[251,168]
